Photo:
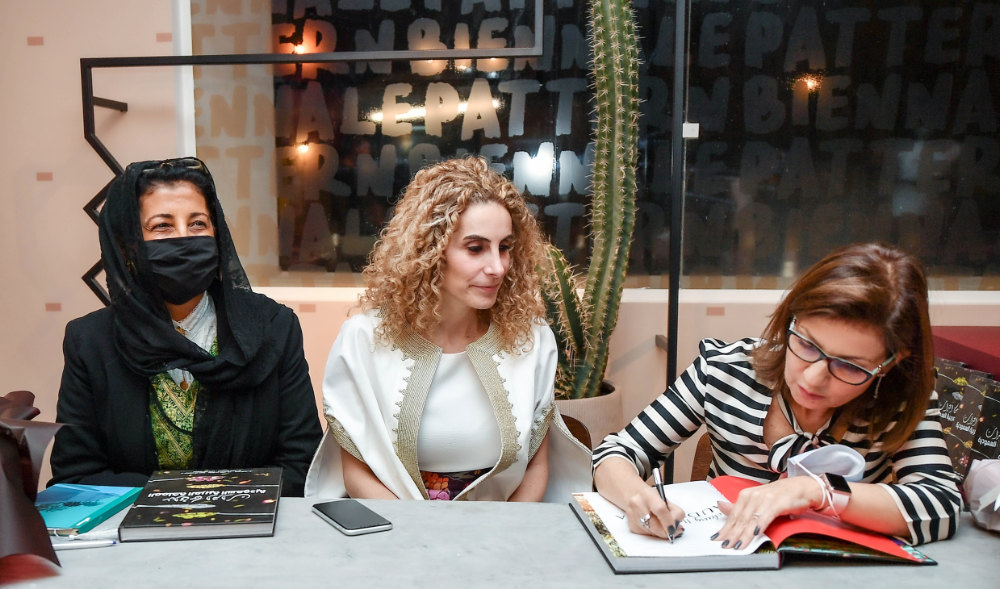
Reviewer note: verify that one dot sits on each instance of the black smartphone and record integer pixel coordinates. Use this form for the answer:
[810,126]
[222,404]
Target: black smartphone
[351,517]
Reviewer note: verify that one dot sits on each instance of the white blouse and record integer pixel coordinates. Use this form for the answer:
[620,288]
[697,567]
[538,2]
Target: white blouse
[200,327]
[458,430]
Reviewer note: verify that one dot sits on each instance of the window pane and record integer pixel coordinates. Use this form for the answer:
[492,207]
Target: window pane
[820,125]
[843,122]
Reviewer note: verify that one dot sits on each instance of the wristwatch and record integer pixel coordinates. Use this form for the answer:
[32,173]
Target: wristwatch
[840,492]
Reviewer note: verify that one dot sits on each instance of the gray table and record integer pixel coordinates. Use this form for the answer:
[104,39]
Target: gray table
[437,544]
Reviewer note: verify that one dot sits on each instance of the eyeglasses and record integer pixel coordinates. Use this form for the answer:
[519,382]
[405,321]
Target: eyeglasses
[841,369]
[190,163]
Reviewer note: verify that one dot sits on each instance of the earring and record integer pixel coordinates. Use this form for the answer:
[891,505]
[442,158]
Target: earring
[878,383]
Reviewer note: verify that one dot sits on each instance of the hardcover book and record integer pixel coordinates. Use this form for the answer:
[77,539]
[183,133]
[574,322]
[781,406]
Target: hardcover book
[986,443]
[69,509]
[960,435]
[808,534]
[190,504]
[957,402]
[950,386]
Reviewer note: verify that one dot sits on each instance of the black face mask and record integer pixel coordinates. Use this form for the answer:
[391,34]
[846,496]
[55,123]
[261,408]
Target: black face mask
[183,267]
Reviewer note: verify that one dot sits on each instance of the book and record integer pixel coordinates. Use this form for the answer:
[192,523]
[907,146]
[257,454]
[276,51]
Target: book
[960,434]
[986,442]
[950,381]
[190,504]
[969,404]
[70,509]
[809,534]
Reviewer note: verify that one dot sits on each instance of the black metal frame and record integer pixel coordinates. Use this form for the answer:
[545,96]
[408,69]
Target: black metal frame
[677,188]
[677,182]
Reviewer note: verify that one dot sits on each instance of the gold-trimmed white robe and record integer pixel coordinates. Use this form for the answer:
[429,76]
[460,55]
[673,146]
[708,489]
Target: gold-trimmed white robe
[374,394]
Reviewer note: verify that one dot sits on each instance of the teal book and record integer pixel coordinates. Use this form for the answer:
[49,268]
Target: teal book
[74,509]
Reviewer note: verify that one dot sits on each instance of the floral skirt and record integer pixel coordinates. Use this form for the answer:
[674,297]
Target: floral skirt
[444,486]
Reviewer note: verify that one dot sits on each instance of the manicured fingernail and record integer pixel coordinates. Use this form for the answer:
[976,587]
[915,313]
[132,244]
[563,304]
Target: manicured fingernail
[714,536]
[756,531]
[737,545]
[725,543]
[671,530]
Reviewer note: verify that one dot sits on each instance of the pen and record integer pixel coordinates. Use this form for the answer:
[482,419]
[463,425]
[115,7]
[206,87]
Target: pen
[658,481]
[83,544]
[91,535]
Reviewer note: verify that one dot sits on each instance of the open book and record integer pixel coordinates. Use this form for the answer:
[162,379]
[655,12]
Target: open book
[808,534]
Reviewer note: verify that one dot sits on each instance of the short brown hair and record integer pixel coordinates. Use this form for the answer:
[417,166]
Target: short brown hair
[874,285]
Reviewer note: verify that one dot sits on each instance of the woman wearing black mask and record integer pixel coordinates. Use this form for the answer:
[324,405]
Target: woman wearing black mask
[188,367]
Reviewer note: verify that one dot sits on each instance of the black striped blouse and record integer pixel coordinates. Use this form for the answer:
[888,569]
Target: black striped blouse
[721,391]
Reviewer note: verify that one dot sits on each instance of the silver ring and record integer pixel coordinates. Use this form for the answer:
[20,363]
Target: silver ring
[644,521]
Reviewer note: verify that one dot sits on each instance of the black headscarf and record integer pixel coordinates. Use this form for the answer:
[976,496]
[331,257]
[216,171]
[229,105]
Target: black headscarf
[144,334]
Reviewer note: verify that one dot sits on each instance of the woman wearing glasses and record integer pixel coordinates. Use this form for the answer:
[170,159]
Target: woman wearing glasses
[847,359]
[188,368]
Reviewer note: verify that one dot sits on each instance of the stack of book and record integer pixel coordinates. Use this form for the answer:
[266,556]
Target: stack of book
[970,413]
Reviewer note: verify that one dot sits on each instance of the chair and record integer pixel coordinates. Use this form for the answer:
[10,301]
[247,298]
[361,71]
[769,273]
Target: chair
[702,458]
[18,405]
[578,429]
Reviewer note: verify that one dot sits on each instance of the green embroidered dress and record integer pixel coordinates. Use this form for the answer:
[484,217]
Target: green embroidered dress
[173,409]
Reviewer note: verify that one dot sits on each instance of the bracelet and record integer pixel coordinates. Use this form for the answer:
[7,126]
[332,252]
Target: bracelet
[827,506]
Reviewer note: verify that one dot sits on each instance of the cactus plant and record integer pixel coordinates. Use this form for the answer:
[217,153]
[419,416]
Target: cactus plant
[584,325]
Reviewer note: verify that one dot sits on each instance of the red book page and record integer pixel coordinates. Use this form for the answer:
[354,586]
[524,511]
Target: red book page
[783,527]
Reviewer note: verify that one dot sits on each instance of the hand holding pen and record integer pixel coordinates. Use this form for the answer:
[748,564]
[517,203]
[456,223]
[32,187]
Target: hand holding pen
[658,481]
[659,517]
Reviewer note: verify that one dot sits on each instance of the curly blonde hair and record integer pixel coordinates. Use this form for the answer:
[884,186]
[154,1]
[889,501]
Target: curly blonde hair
[404,272]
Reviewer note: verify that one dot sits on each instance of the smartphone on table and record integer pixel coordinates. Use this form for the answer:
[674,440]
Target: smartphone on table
[351,517]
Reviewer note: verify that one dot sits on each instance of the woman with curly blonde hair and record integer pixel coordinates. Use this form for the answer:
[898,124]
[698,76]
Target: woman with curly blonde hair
[406,270]
[442,388]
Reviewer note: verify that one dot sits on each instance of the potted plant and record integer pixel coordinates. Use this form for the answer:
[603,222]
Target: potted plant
[583,324]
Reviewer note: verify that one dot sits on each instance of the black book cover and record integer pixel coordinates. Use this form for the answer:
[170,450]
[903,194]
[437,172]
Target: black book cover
[986,443]
[961,435]
[188,504]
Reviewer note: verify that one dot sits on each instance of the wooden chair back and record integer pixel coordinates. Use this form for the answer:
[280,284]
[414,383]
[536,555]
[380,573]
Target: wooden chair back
[702,458]
[578,429]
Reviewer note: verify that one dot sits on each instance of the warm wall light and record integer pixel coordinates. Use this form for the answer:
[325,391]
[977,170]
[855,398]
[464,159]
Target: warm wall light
[812,81]
[303,148]
[300,49]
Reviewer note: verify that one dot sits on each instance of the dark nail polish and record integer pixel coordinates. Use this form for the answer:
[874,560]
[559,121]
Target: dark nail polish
[737,545]
[725,543]
[714,536]
[756,531]
[671,530]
